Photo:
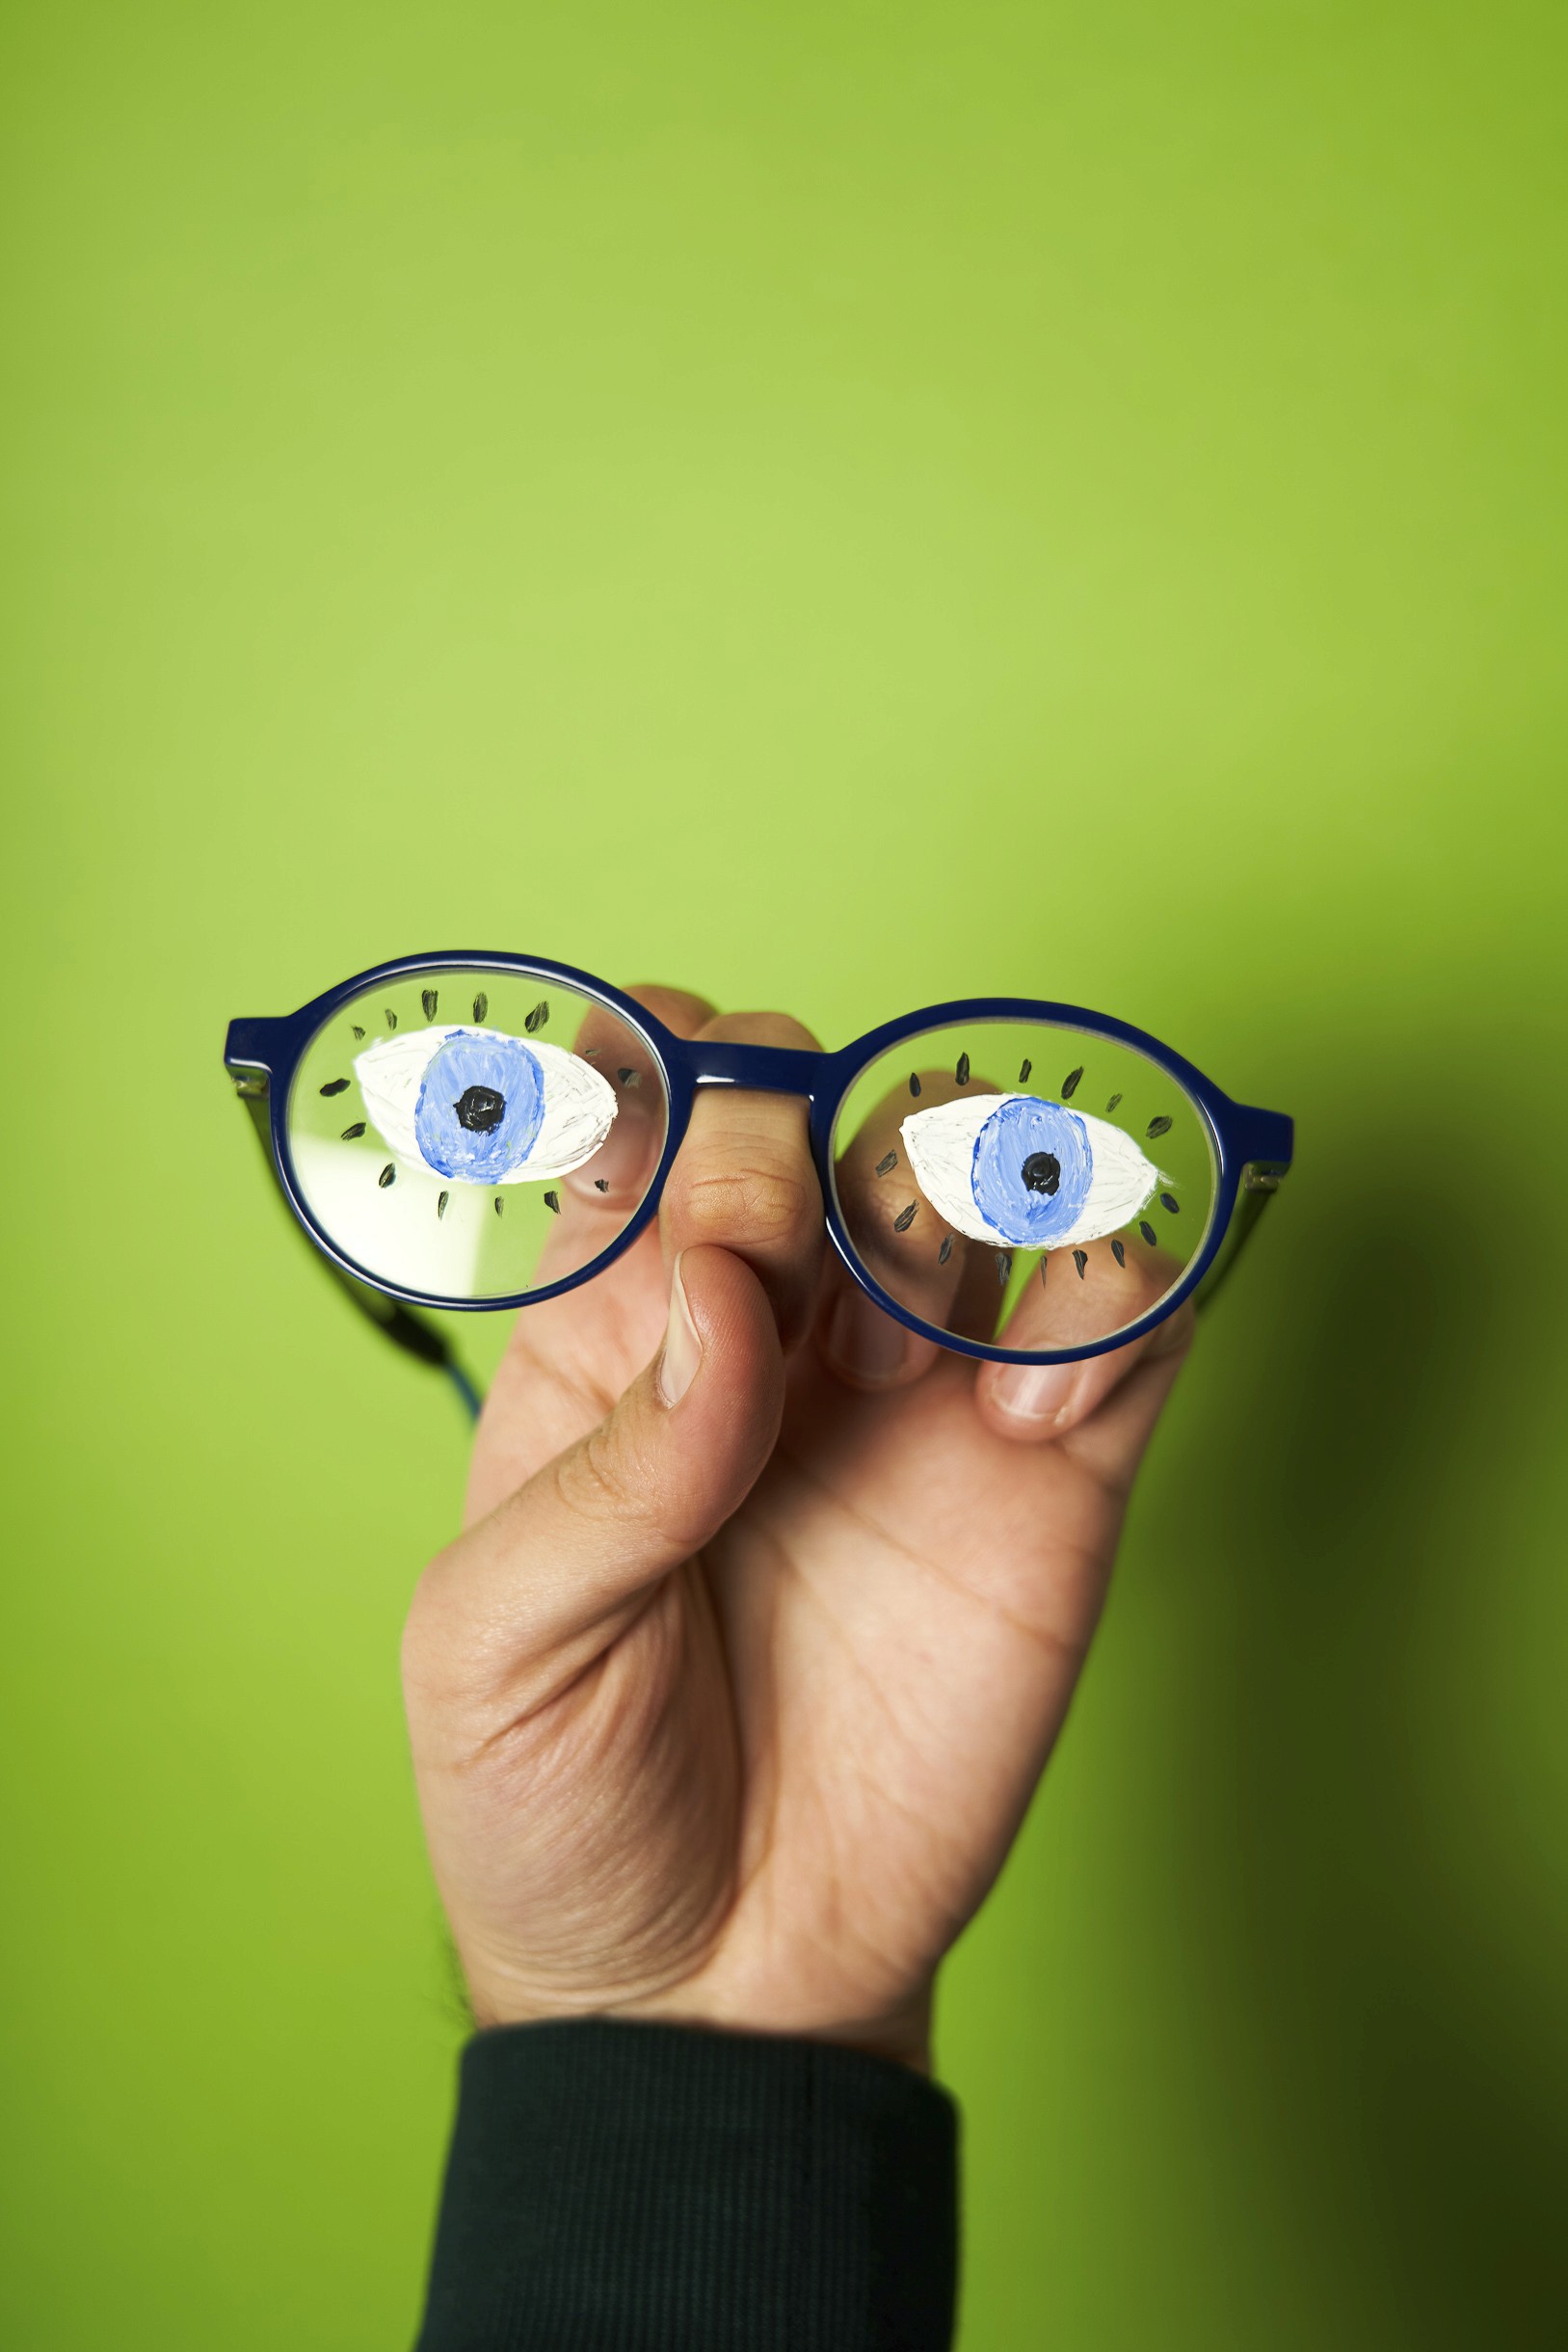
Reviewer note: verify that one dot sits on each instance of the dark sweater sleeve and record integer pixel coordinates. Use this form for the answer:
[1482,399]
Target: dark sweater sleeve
[617,2187]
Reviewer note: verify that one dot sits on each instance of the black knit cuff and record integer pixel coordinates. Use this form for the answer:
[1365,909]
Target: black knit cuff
[619,2187]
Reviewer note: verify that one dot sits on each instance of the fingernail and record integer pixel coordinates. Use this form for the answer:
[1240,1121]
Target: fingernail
[863,1343]
[683,1349]
[1039,1392]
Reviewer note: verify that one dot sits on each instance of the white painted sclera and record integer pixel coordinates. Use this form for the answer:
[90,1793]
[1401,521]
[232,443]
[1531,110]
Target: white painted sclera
[971,1160]
[571,1105]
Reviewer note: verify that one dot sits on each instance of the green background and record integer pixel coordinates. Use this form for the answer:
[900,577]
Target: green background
[839,507]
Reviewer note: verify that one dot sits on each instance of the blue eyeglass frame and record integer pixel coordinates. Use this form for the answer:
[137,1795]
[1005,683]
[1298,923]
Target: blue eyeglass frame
[1252,1148]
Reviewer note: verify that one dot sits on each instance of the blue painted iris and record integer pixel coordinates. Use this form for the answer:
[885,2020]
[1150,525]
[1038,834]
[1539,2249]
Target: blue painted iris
[480,1108]
[1032,1170]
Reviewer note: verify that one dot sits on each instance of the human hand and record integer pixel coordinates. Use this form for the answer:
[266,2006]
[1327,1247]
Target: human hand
[728,1701]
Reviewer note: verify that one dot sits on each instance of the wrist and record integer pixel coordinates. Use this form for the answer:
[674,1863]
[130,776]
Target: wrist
[900,2036]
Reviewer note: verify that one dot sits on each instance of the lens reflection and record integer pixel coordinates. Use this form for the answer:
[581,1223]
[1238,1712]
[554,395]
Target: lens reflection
[475,1135]
[1029,1187]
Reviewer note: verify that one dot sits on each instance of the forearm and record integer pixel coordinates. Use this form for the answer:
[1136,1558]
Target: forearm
[617,2187]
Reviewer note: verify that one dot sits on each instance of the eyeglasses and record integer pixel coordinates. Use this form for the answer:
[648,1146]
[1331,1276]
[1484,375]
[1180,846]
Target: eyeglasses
[1017,1181]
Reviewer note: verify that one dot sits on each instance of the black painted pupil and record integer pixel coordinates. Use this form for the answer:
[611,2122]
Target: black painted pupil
[1042,1172]
[480,1110]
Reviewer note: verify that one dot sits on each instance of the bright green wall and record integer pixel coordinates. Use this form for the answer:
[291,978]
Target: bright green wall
[836,506]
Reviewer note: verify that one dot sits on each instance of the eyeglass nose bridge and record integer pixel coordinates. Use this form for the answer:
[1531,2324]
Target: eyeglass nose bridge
[771,1069]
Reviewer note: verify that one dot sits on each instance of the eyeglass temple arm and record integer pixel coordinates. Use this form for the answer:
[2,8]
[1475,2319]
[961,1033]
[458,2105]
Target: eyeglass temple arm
[1267,1145]
[391,1316]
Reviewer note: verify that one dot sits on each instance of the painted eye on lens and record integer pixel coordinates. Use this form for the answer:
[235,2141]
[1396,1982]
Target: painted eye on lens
[477,1106]
[1034,1175]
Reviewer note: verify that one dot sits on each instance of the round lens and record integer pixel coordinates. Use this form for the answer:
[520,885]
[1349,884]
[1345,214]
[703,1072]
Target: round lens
[1031,1187]
[474,1135]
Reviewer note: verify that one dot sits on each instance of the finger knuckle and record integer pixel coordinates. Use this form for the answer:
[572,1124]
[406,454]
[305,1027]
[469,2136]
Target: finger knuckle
[592,1484]
[753,1202]
[763,1029]
[1176,1334]
[678,1008]
[608,1485]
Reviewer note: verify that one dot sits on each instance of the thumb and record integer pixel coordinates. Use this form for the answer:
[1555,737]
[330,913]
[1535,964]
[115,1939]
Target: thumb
[525,1599]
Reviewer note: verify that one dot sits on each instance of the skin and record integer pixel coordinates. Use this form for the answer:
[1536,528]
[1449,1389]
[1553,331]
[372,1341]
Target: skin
[730,1698]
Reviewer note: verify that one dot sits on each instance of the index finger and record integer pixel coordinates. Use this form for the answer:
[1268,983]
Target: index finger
[594,1201]
[909,1248]
[1077,1295]
[568,1358]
